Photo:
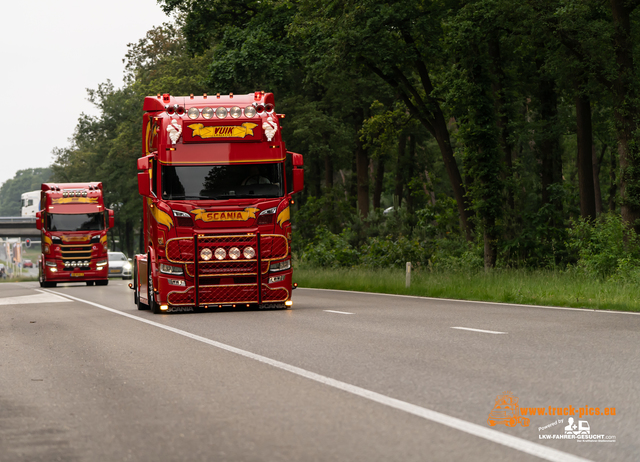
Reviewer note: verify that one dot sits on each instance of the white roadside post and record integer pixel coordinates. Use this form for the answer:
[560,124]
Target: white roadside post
[408,277]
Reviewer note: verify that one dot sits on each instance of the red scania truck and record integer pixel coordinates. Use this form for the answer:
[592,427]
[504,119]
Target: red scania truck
[217,184]
[74,224]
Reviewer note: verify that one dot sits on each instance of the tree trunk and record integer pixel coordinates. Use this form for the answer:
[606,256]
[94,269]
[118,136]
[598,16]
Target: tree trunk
[597,163]
[399,180]
[328,171]
[377,187]
[549,145]
[585,157]
[409,165]
[459,193]
[362,168]
[503,119]
[613,184]
[626,112]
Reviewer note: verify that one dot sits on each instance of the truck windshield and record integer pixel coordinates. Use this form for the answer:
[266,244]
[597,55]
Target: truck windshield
[75,221]
[222,182]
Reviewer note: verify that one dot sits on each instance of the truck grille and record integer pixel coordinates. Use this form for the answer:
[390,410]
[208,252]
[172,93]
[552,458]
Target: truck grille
[76,252]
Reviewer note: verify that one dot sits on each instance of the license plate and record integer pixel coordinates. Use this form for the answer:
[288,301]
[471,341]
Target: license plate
[77,275]
[114,271]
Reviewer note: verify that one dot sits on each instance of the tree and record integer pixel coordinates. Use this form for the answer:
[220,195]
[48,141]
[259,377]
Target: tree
[23,181]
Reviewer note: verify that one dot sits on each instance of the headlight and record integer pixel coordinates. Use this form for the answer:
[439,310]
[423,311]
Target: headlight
[249,112]
[207,113]
[206,254]
[101,263]
[280,266]
[235,112]
[193,113]
[127,266]
[220,253]
[50,263]
[234,253]
[170,269]
[221,112]
[249,253]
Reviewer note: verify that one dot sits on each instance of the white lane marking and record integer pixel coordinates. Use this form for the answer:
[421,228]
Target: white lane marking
[339,312]
[479,330]
[36,298]
[475,301]
[479,431]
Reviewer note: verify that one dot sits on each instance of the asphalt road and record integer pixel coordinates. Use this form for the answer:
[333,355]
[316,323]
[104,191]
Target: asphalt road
[342,376]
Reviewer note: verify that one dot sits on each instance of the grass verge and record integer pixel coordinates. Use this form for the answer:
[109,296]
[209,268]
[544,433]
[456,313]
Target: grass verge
[507,286]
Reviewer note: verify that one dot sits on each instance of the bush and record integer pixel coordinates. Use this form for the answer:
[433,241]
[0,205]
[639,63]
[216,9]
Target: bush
[330,250]
[606,248]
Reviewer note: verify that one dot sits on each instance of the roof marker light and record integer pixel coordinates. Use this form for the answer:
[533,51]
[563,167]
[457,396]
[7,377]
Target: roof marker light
[204,95]
[230,95]
[218,95]
[191,96]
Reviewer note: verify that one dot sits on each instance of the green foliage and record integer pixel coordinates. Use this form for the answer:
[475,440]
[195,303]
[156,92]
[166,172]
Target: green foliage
[607,248]
[23,181]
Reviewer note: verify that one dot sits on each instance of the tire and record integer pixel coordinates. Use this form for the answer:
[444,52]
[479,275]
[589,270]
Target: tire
[40,277]
[90,283]
[153,306]
[49,284]
[136,292]
[102,283]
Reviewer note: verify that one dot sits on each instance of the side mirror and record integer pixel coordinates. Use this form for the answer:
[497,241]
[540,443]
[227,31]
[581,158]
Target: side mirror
[144,162]
[39,220]
[144,183]
[298,172]
[111,219]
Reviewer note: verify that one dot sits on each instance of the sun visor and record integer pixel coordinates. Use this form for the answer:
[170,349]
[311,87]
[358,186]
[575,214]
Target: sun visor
[75,208]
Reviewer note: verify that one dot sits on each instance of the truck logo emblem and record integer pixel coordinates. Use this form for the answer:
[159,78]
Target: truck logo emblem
[270,128]
[175,130]
[225,215]
[246,129]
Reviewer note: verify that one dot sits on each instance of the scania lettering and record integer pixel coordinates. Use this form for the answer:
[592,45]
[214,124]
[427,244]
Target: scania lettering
[217,185]
[74,224]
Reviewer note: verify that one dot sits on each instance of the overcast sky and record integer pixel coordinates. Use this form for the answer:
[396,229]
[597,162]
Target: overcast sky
[52,51]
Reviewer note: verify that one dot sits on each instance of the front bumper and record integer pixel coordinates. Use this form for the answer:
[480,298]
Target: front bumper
[60,274]
[227,282]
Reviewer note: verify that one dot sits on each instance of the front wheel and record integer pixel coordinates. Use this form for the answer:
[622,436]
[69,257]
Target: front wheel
[153,306]
[102,283]
[89,283]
